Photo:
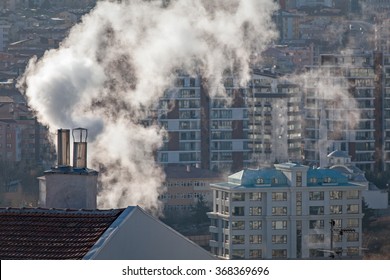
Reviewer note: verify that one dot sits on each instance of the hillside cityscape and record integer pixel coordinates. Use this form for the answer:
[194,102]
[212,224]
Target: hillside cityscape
[265,139]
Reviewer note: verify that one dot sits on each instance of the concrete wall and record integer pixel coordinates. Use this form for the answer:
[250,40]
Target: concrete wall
[72,191]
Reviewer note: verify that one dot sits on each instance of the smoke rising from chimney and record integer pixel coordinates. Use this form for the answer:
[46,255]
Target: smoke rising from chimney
[117,62]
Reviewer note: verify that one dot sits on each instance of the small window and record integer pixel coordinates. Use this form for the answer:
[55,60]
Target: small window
[327,180]
[260,181]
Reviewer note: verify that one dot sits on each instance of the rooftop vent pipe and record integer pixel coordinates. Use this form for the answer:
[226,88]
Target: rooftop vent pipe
[80,147]
[63,143]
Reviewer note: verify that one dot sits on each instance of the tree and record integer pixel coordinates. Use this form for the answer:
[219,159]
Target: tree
[369,215]
[199,211]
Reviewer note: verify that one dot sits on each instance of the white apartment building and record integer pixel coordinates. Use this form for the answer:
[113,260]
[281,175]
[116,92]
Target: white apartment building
[286,212]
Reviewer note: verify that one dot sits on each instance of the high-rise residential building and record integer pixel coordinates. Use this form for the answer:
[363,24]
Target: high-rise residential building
[253,125]
[344,109]
[203,131]
[22,137]
[287,212]
[275,123]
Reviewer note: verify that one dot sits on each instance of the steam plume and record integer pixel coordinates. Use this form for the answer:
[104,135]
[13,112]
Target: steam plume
[118,61]
[330,104]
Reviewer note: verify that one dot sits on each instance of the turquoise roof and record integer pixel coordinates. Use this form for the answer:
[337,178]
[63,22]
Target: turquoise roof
[320,177]
[258,177]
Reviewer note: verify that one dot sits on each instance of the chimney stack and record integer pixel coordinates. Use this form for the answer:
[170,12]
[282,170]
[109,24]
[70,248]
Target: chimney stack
[63,142]
[80,147]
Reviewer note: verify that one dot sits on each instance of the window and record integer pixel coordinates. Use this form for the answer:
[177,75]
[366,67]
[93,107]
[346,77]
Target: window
[336,209]
[279,225]
[255,239]
[255,254]
[225,195]
[316,210]
[260,181]
[353,208]
[254,225]
[353,223]
[352,194]
[254,211]
[238,225]
[238,196]
[279,211]
[279,239]
[279,253]
[299,179]
[238,211]
[255,196]
[316,224]
[352,236]
[238,239]
[164,157]
[238,254]
[316,195]
[327,180]
[336,195]
[279,196]
[337,223]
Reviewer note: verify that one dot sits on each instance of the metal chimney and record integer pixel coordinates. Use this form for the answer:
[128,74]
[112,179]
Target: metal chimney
[63,143]
[80,147]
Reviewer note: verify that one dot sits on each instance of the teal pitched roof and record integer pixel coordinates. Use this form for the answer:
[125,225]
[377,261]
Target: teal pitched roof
[320,177]
[258,177]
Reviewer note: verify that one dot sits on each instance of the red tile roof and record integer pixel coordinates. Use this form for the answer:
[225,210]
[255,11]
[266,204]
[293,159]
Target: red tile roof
[36,233]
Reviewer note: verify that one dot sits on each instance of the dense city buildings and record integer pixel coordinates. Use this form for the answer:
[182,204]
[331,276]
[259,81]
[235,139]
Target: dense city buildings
[228,132]
[323,85]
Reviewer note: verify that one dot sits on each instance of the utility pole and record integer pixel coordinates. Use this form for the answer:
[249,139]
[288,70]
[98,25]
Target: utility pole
[340,231]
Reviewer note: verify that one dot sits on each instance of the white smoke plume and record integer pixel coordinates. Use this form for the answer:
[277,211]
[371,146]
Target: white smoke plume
[328,103]
[117,62]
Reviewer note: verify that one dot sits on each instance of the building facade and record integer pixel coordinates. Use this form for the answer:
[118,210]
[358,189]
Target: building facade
[287,212]
[184,187]
[256,124]
[343,109]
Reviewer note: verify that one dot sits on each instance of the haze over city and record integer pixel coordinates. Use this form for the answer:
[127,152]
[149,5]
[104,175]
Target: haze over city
[186,100]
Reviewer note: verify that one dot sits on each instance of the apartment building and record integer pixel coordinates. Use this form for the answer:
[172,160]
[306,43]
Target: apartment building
[256,124]
[203,131]
[343,109]
[275,119]
[290,211]
[22,138]
[184,186]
